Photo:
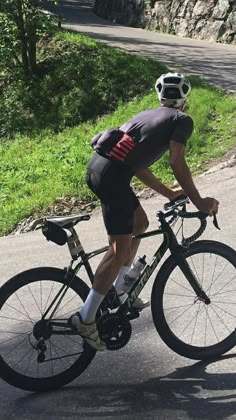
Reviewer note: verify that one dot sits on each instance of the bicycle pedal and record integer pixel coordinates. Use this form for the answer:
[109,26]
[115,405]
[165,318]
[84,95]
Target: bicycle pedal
[133,314]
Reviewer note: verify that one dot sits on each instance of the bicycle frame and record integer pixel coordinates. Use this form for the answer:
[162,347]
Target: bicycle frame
[169,242]
[85,257]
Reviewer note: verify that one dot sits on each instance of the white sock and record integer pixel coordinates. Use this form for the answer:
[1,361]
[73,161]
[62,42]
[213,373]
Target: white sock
[119,281]
[90,306]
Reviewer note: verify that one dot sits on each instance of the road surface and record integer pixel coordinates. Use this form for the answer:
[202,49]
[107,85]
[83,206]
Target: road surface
[145,380]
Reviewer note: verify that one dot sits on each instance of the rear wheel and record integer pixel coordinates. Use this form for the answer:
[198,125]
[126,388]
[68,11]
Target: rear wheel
[186,323]
[32,356]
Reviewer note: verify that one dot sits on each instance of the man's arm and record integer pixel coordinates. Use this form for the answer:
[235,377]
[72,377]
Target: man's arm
[182,172]
[183,175]
[147,177]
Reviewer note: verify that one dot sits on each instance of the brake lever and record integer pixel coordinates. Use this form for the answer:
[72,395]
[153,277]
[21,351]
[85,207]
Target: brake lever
[215,222]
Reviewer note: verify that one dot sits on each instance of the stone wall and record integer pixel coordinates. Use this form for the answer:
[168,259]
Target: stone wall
[127,12]
[214,20]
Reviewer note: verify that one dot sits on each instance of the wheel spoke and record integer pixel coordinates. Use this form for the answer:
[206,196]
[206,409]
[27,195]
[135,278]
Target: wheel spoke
[15,319]
[20,345]
[221,319]
[30,358]
[15,347]
[213,275]
[223,310]
[177,307]
[22,313]
[61,307]
[212,326]
[183,312]
[177,294]
[45,307]
[189,323]
[197,330]
[223,287]
[181,285]
[195,324]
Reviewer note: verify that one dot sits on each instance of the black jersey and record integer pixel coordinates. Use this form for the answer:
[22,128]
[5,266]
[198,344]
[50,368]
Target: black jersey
[142,140]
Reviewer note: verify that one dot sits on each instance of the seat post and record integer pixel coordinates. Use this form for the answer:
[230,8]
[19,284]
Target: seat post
[74,244]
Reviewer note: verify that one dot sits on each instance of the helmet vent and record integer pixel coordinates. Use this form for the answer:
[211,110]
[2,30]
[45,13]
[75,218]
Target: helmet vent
[185,88]
[171,93]
[172,80]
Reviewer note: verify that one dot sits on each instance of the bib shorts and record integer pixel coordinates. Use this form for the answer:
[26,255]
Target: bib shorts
[110,182]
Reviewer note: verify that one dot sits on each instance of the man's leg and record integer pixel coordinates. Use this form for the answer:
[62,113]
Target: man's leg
[140,226]
[121,217]
[119,251]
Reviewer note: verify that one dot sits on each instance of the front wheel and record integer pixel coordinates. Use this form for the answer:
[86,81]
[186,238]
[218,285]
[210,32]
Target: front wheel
[188,325]
[35,353]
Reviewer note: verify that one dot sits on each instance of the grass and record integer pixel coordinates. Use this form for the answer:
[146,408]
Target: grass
[36,169]
[77,79]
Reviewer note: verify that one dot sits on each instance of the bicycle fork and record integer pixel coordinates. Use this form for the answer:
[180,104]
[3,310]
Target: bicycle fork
[190,276]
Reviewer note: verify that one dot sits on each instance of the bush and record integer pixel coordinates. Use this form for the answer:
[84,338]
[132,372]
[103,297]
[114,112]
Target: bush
[77,80]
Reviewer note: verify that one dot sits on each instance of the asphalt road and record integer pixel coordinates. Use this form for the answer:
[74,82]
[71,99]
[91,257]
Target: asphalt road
[145,379]
[213,61]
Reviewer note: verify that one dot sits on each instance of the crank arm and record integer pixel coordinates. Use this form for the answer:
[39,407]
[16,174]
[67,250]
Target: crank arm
[64,327]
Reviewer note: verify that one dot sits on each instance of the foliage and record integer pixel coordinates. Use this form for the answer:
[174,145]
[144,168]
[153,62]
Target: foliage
[78,79]
[35,170]
[22,24]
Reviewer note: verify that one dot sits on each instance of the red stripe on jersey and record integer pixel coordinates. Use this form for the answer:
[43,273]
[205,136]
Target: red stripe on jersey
[127,138]
[119,149]
[124,146]
[117,156]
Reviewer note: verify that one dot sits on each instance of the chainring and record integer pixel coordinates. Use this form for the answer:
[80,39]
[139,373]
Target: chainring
[114,330]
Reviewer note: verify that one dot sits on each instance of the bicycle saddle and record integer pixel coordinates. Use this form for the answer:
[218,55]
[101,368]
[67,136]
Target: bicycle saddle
[67,221]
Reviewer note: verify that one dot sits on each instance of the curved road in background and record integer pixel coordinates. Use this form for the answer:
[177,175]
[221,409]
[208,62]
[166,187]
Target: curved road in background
[214,61]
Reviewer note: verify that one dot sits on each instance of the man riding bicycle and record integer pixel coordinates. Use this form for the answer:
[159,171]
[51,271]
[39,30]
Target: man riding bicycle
[119,155]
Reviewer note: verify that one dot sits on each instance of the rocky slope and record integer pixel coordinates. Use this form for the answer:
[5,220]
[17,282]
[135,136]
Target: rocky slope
[213,20]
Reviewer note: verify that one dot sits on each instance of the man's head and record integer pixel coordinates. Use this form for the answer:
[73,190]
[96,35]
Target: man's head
[172,90]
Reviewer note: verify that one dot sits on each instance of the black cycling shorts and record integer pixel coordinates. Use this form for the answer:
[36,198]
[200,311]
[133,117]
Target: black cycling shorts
[110,182]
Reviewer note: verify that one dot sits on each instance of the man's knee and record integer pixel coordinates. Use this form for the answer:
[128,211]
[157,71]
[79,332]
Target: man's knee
[141,222]
[121,249]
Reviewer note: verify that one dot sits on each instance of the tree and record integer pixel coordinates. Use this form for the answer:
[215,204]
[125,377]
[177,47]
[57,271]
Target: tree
[22,24]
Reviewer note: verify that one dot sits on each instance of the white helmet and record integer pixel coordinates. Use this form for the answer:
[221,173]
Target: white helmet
[172,89]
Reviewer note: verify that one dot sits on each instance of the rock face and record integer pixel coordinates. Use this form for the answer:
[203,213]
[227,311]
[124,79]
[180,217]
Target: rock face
[214,20]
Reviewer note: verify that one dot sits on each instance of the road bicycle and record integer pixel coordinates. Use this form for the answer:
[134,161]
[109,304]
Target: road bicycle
[193,303]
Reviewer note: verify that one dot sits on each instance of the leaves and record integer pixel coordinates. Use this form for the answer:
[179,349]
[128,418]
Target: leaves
[77,80]
[22,24]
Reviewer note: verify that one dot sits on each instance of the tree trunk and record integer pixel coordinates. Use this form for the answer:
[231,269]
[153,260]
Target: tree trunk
[23,38]
[31,35]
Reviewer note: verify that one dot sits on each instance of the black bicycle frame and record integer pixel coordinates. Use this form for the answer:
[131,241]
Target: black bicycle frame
[169,242]
[147,272]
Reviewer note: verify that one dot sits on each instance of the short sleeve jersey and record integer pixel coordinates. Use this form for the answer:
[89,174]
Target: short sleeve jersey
[152,131]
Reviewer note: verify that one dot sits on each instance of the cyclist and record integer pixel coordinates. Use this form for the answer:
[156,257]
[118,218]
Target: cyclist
[119,155]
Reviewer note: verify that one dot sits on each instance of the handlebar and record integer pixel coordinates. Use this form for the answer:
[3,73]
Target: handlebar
[177,208]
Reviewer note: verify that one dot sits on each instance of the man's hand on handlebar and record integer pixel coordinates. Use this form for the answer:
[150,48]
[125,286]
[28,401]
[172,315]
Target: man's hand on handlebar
[208,205]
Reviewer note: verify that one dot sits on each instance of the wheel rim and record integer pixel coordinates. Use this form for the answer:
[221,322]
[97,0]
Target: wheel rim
[21,315]
[190,319]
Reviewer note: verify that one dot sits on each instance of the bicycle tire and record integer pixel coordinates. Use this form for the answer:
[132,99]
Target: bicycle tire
[32,280]
[165,290]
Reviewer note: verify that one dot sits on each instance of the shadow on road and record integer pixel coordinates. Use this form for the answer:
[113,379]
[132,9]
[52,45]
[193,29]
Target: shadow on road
[182,56]
[183,392]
